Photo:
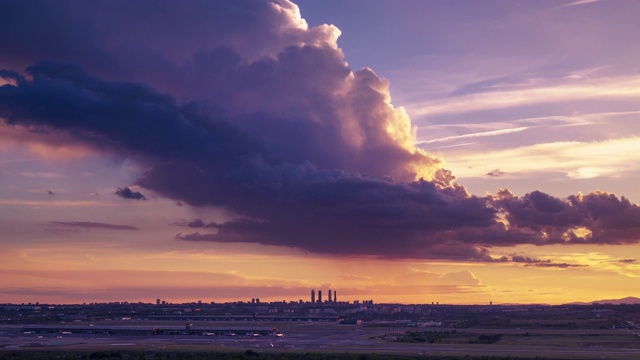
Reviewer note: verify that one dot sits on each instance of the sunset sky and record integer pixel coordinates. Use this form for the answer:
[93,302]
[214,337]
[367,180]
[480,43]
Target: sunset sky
[406,151]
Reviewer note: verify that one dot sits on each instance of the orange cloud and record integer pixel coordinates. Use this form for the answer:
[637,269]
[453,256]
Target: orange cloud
[54,145]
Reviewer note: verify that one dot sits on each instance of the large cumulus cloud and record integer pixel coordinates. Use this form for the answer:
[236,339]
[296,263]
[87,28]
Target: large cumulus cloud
[247,108]
[598,217]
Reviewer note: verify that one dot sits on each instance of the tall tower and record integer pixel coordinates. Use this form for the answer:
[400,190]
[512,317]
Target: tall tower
[330,296]
[335,296]
[313,296]
[320,296]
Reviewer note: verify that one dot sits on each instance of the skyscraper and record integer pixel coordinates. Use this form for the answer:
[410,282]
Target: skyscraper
[313,296]
[335,296]
[320,296]
[330,296]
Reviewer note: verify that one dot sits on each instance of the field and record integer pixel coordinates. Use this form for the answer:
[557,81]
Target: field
[332,338]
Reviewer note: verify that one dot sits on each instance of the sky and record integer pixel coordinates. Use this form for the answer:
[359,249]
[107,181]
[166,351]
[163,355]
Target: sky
[409,151]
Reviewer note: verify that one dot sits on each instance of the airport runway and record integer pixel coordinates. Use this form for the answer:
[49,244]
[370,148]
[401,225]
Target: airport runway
[312,337]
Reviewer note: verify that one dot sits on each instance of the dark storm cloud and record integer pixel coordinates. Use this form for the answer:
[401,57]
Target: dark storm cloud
[93,225]
[245,108]
[117,116]
[122,36]
[34,30]
[208,161]
[357,216]
[127,193]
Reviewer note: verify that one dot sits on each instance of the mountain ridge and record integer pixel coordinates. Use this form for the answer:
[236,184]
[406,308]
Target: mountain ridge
[625,300]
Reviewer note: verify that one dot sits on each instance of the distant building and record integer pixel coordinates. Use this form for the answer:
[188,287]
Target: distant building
[335,296]
[320,296]
[157,301]
[330,296]
[313,296]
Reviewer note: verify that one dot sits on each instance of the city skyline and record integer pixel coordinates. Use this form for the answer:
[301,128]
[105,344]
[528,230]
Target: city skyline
[465,153]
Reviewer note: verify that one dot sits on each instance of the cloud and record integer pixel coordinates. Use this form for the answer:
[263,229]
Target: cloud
[197,223]
[56,145]
[575,159]
[579,2]
[424,231]
[476,135]
[352,277]
[421,277]
[45,175]
[443,132]
[120,36]
[627,261]
[93,225]
[528,261]
[555,265]
[596,218]
[356,216]
[127,193]
[496,173]
[257,113]
[185,286]
[60,203]
[617,88]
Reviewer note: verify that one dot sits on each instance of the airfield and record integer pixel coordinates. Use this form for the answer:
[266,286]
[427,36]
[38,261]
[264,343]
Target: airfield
[332,337]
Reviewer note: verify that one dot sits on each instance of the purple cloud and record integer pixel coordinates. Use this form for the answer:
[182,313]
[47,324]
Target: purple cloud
[257,113]
[93,225]
[496,173]
[127,193]
[598,218]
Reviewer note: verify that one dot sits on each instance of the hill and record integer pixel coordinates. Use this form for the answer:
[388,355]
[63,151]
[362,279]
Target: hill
[626,300]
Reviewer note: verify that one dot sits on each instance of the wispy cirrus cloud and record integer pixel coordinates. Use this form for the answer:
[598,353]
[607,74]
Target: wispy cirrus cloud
[475,135]
[555,265]
[503,97]
[579,2]
[55,203]
[452,132]
[43,174]
[93,225]
[574,159]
